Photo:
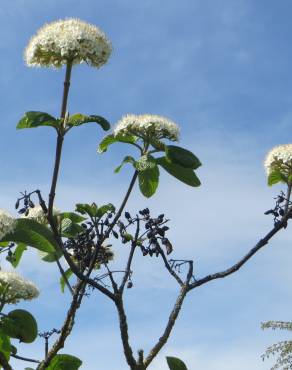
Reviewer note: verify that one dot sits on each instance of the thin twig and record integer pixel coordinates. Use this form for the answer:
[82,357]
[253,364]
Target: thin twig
[130,258]
[64,276]
[114,284]
[122,206]
[264,241]
[67,326]
[24,358]
[171,320]
[169,269]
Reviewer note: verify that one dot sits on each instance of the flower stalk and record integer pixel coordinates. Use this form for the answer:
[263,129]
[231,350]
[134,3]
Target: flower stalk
[60,139]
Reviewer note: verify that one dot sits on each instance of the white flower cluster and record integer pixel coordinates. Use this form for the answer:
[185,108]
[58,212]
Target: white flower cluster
[71,40]
[279,158]
[147,126]
[7,223]
[38,214]
[14,287]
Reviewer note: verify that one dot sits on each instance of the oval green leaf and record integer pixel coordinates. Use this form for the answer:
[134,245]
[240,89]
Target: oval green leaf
[185,175]
[275,177]
[104,209]
[70,229]
[65,362]
[85,208]
[74,217]
[111,139]
[79,119]
[148,181]
[182,157]
[175,363]
[34,119]
[31,233]
[20,324]
[127,159]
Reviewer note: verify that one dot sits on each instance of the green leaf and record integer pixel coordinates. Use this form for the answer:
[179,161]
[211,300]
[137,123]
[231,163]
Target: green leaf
[186,175]
[85,208]
[36,119]
[65,362]
[182,157]
[5,347]
[34,234]
[128,237]
[275,177]
[4,244]
[104,209]
[50,257]
[20,324]
[68,274]
[79,119]
[127,159]
[17,254]
[111,139]
[74,217]
[70,229]
[148,181]
[175,363]
[157,144]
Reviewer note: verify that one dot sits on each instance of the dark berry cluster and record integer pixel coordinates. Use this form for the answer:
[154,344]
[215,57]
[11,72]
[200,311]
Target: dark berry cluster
[155,234]
[279,210]
[48,334]
[84,246]
[26,202]
[152,239]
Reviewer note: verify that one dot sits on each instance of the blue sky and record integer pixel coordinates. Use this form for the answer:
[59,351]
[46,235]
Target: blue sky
[222,70]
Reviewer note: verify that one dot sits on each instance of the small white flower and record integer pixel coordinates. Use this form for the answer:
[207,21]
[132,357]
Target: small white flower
[147,126]
[7,223]
[279,158]
[38,214]
[14,287]
[69,40]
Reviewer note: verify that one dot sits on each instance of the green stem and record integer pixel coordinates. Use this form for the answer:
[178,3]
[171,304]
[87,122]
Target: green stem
[55,175]
[122,206]
[24,358]
[66,88]
[288,197]
[59,146]
[59,141]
